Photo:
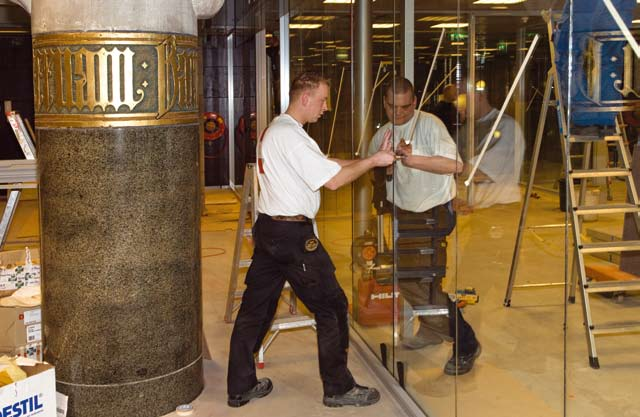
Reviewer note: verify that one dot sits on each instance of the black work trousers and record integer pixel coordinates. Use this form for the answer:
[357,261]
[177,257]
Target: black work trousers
[438,223]
[280,255]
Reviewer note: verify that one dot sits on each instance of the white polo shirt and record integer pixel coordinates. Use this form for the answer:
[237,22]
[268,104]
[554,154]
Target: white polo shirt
[413,189]
[291,170]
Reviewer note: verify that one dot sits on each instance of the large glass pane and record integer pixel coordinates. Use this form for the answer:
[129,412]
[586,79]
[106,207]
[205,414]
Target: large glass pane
[597,58]
[320,41]
[522,345]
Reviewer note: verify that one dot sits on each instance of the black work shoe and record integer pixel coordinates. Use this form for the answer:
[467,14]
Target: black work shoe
[261,389]
[464,364]
[358,396]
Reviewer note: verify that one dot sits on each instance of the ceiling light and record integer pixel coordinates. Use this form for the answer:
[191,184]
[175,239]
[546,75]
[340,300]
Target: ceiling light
[382,36]
[313,18]
[422,47]
[636,20]
[438,19]
[305,25]
[338,1]
[457,43]
[486,49]
[498,1]
[449,25]
[384,25]
[499,7]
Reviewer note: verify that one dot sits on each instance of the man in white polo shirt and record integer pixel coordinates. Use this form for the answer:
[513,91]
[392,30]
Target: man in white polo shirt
[291,171]
[422,189]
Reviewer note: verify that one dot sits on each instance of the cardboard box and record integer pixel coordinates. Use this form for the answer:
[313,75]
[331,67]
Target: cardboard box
[19,327]
[34,396]
[31,351]
[14,275]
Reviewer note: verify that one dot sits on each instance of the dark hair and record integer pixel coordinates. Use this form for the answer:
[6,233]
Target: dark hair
[399,85]
[308,80]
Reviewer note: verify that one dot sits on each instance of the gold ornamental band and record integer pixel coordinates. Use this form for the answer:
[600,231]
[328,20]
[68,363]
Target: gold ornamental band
[106,79]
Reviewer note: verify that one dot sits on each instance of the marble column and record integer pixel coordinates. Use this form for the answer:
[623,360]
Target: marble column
[116,103]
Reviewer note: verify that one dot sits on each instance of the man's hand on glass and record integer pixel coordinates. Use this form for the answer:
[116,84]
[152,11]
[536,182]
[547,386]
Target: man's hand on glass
[384,157]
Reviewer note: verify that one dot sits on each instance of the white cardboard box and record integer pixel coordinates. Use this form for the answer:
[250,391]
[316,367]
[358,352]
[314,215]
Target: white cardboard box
[34,396]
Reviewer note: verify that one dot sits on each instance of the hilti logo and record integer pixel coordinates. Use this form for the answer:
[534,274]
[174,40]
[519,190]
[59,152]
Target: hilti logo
[384,295]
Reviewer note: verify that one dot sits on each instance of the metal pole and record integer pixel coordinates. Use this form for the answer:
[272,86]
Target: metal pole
[409,39]
[471,107]
[285,73]
[231,107]
[363,92]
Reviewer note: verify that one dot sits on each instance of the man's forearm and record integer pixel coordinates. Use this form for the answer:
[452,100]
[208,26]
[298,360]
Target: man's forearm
[349,173]
[343,162]
[434,164]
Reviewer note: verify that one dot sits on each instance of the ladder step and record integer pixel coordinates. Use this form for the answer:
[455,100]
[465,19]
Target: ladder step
[416,251]
[598,247]
[617,328]
[430,310]
[420,272]
[593,138]
[295,322]
[611,286]
[607,209]
[599,173]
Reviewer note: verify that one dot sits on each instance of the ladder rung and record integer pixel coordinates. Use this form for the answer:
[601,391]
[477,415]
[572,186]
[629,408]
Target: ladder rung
[292,323]
[593,138]
[611,286]
[607,209]
[628,327]
[420,272]
[418,251]
[598,247]
[430,310]
[598,173]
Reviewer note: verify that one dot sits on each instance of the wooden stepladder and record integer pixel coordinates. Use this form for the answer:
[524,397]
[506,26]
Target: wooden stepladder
[248,206]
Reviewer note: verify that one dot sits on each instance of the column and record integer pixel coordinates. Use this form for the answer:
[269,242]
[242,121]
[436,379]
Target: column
[116,103]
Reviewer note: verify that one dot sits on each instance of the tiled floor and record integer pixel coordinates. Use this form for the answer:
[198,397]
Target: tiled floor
[521,370]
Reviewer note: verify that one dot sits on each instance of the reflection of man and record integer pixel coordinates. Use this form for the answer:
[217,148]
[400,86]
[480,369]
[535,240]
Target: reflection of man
[292,170]
[497,177]
[446,109]
[422,189]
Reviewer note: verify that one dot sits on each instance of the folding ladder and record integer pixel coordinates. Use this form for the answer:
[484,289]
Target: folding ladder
[248,205]
[579,209]
[16,175]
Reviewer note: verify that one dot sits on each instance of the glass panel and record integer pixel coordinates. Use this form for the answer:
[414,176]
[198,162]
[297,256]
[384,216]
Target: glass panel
[377,301]
[523,344]
[320,41]
[600,85]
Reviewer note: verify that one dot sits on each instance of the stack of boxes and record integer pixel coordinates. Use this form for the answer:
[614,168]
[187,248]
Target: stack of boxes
[20,326]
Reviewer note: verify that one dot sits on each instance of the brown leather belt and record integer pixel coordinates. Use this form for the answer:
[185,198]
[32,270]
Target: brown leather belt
[296,218]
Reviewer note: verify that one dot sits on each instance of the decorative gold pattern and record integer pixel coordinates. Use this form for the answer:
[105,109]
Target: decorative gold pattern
[88,79]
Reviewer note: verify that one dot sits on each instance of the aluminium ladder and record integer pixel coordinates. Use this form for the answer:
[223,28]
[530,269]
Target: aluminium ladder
[578,209]
[16,175]
[248,204]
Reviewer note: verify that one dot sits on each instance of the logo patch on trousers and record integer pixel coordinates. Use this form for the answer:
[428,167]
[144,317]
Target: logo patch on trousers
[311,244]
